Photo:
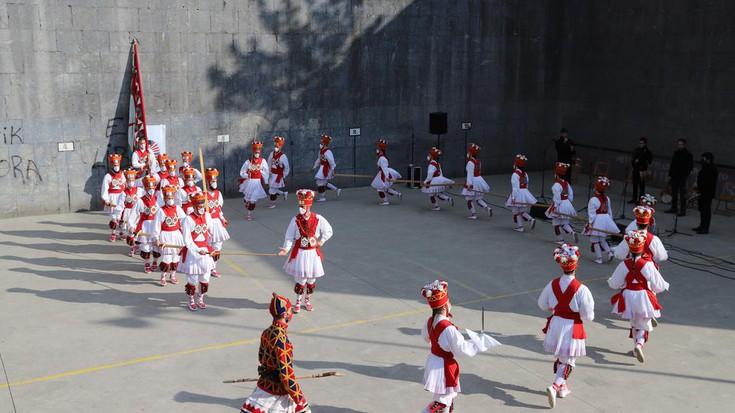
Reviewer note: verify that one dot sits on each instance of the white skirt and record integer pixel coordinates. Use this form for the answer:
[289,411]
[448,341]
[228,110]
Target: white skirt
[272,184]
[478,187]
[437,189]
[124,218]
[320,174]
[522,195]
[261,401]
[382,186]
[434,376]
[148,227]
[307,264]
[219,232]
[252,190]
[170,238]
[559,339]
[196,264]
[637,306]
[603,222]
[565,207]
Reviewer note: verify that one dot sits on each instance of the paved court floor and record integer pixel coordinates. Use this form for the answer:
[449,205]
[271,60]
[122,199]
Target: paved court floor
[84,329]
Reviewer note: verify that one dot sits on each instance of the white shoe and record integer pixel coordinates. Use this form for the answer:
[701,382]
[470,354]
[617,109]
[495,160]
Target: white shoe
[285,196]
[563,391]
[551,393]
[435,208]
[321,199]
[533,223]
[519,229]
[271,206]
[400,196]
[338,191]
[638,351]
[451,201]
[383,203]
[489,211]
[598,260]
[472,216]
[560,242]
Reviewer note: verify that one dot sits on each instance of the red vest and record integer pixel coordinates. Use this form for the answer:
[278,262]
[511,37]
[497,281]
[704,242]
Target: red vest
[117,183]
[161,176]
[131,195]
[200,228]
[307,230]
[564,188]
[149,212]
[602,209]
[324,161]
[647,245]
[277,167]
[215,209]
[634,274]
[188,189]
[522,179]
[438,170]
[382,174]
[563,310]
[171,223]
[451,368]
[254,171]
[477,164]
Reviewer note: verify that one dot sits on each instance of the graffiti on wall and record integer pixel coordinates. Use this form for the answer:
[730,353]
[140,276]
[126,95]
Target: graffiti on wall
[17,167]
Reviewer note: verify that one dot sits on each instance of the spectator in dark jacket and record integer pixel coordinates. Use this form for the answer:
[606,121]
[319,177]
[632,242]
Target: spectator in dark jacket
[681,166]
[706,185]
[642,159]
[565,153]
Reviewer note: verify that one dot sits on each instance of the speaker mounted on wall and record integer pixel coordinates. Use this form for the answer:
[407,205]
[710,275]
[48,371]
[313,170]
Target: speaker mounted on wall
[438,123]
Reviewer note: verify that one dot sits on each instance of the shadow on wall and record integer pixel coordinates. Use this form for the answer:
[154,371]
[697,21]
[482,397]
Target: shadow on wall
[117,142]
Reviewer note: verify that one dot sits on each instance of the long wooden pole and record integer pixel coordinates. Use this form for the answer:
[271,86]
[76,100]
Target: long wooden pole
[205,185]
[312,376]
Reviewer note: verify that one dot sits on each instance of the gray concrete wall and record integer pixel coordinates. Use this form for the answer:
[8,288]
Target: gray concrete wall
[260,68]
[663,69]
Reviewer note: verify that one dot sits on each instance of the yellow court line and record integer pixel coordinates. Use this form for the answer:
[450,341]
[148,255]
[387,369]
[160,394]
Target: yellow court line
[453,280]
[250,341]
[239,270]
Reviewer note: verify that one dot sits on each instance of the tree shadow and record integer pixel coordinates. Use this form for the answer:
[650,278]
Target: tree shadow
[85,225]
[597,354]
[189,397]
[47,234]
[109,248]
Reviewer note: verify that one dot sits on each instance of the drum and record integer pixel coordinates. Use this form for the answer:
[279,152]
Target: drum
[666,193]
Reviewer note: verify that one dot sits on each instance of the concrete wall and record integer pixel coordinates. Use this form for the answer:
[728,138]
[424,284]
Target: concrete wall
[260,68]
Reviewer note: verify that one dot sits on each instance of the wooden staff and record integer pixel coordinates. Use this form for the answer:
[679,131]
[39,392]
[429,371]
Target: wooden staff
[172,246]
[204,178]
[615,234]
[259,254]
[353,176]
[313,376]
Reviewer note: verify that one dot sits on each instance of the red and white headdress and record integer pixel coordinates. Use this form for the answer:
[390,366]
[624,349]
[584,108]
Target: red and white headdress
[278,141]
[169,191]
[189,174]
[473,149]
[197,198]
[211,174]
[636,241]
[567,255]
[648,200]
[130,174]
[171,164]
[436,293]
[305,197]
[114,159]
[643,214]
[149,182]
[187,156]
[434,153]
[520,160]
[561,168]
[382,144]
[602,184]
[161,158]
[279,305]
[256,146]
[325,139]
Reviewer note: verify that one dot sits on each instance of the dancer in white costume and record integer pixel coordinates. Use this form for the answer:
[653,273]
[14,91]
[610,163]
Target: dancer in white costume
[307,232]
[383,181]
[279,170]
[640,281]
[562,209]
[254,174]
[475,186]
[441,372]
[570,302]
[654,248]
[600,217]
[219,223]
[520,195]
[435,183]
[124,204]
[113,185]
[324,167]
[196,259]
[167,224]
[141,221]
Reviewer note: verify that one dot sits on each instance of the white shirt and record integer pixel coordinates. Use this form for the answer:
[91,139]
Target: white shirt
[582,302]
[656,282]
[323,232]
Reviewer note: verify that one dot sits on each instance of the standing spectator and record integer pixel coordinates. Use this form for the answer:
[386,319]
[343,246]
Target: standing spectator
[679,170]
[642,159]
[706,185]
[565,153]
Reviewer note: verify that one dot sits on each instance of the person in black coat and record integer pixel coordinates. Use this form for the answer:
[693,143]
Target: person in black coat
[565,153]
[706,185]
[642,159]
[681,166]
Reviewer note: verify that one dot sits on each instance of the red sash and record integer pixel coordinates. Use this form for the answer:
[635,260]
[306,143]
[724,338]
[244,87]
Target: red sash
[117,183]
[150,202]
[647,245]
[171,223]
[382,175]
[200,221]
[188,189]
[307,230]
[438,168]
[277,167]
[522,178]
[324,161]
[634,273]
[564,188]
[451,367]
[603,204]
[563,310]
[478,171]
[215,209]
[255,173]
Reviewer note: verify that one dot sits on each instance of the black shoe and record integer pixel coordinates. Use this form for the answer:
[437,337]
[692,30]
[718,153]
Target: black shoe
[671,211]
[702,231]
[696,229]
[681,214]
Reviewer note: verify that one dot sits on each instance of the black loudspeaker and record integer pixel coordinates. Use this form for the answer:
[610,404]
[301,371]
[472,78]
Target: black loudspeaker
[438,123]
[539,212]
